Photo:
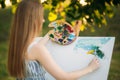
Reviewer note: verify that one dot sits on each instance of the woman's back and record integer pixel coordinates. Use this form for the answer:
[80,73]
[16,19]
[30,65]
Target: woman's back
[33,69]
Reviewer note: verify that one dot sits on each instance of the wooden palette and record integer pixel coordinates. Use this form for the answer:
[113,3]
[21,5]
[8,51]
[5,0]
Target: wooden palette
[63,34]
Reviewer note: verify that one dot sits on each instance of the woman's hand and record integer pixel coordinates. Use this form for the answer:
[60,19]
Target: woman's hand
[45,39]
[93,65]
[77,27]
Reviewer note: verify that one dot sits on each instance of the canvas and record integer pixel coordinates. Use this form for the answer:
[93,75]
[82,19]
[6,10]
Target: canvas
[78,55]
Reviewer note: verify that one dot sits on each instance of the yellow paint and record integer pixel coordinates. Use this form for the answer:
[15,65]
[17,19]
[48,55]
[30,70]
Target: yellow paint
[90,52]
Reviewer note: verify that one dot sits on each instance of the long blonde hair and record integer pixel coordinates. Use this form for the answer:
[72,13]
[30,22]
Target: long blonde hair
[27,23]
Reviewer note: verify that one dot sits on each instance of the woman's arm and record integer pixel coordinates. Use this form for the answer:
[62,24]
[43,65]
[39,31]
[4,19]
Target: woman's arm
[41,54]
[77,27]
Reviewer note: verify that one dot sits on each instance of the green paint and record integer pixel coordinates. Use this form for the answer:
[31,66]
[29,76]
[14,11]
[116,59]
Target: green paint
[99,53]
[59,28]
[51,35]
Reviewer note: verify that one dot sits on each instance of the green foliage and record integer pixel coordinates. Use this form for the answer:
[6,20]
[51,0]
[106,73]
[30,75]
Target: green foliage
[91,12]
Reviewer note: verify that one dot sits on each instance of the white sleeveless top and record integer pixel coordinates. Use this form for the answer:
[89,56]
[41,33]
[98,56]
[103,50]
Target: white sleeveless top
[33,69]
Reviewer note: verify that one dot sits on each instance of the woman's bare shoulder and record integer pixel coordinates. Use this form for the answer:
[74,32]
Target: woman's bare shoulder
[35,49]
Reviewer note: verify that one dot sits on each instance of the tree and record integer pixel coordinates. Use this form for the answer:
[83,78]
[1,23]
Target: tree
[91,12]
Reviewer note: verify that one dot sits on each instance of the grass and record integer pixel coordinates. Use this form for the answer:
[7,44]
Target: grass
[111,30]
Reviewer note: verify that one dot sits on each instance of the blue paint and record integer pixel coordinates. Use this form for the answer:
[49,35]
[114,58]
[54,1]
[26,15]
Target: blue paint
[71,36]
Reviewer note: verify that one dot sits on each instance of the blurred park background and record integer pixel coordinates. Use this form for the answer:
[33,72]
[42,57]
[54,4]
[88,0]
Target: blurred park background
[104,21]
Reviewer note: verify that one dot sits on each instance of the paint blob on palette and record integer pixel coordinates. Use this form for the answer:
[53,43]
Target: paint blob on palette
[63,32]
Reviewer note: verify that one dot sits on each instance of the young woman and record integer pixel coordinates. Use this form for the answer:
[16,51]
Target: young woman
[28,59]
